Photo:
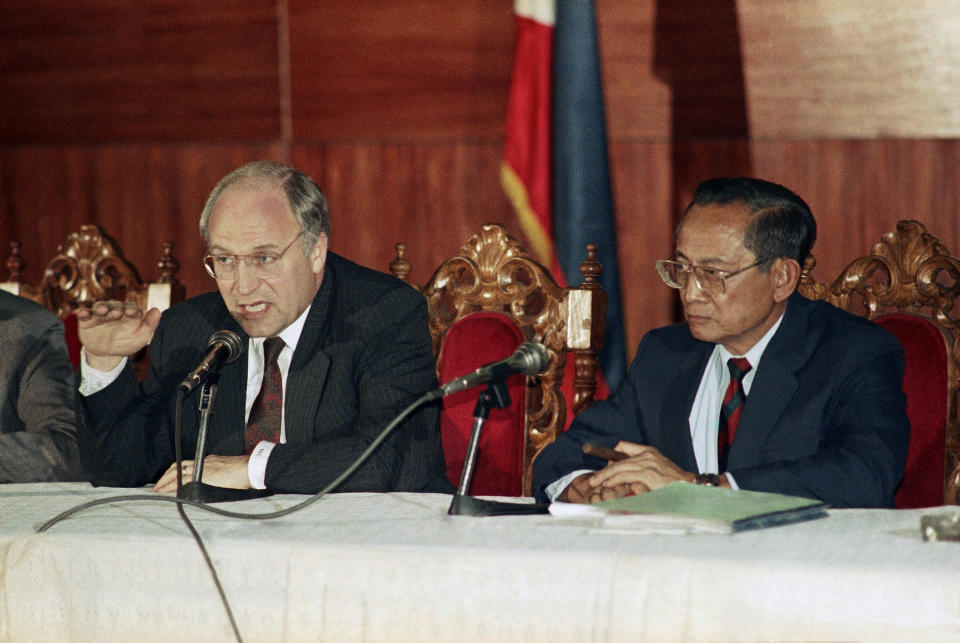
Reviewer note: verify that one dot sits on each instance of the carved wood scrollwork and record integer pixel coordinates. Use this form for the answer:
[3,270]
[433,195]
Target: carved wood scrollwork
[908,270]
[87,268]
[492,271]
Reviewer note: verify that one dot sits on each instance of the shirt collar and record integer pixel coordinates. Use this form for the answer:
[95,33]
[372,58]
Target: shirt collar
[756,351]
[290,335]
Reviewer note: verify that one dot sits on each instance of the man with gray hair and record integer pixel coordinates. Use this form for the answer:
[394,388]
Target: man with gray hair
[330,353]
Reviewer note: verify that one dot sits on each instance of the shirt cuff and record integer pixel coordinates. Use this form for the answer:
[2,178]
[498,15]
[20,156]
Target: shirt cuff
[554,489]
[733,483]
[257,464]
[93,380]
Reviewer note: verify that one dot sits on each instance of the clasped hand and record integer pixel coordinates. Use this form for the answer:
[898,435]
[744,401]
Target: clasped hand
[645,470]
[112,330]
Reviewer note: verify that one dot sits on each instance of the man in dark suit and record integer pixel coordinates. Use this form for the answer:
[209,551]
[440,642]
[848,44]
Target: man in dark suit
[355,351]
[38,423]
[812,404]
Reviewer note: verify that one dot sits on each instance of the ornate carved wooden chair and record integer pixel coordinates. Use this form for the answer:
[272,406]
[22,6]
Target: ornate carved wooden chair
[908,284]
[483,303]
[90,267]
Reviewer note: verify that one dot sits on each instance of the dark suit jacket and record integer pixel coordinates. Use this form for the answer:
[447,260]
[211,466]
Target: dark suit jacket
[363,356]
[38,434]
[825,417]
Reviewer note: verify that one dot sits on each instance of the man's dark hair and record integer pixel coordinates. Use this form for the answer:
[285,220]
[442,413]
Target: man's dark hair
[782,226]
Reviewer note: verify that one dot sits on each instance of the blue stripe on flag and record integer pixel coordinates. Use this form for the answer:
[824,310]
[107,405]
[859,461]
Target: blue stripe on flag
[582,201]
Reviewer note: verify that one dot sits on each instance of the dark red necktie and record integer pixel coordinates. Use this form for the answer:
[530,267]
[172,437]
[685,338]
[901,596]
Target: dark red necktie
[267,410]
[732,407]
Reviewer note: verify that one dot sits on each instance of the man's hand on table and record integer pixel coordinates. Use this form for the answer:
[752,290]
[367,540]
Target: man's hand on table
[218,470]
[645,470]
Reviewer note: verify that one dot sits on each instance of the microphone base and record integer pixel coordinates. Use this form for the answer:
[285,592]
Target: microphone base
[201,492]
[470,506]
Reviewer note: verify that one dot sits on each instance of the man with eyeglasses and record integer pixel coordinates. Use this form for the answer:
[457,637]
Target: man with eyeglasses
[330,353]
[759,388]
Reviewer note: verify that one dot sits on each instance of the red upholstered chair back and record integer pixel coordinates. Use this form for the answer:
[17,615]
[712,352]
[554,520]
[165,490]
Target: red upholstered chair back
[475,340]
[89,267]
[925,384]
[72,335]
[908,284]
[484,301]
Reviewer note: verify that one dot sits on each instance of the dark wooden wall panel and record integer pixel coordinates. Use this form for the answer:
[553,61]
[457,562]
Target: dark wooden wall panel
[431,197]
[180,70]
[125,113]
[643,199]
[142,196]
[858,190]
[399,70]
[637,101]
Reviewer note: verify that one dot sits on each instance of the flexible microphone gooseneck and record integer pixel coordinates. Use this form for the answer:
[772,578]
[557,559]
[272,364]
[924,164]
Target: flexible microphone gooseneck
[530,358]
[225,347]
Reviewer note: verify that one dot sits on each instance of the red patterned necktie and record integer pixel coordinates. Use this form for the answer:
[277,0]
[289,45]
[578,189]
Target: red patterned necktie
[267,409]
[732,407]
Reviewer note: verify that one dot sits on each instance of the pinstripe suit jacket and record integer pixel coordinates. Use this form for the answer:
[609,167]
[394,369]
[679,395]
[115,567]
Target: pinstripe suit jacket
[38,420]
[363,355]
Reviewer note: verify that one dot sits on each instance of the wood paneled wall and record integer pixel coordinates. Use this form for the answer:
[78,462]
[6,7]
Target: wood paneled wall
[125,113]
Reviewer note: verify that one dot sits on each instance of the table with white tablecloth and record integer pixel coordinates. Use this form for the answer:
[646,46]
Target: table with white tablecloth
[396,567]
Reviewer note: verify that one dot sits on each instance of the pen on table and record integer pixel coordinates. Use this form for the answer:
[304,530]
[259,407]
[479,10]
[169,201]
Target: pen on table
[603,452]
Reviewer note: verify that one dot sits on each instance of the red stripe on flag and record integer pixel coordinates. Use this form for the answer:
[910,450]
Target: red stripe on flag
[526,171]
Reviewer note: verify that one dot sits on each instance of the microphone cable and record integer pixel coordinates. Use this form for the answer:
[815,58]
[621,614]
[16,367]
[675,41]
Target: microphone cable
[180,502]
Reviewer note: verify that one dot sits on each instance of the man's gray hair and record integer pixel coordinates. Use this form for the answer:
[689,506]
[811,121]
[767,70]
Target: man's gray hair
[305,198]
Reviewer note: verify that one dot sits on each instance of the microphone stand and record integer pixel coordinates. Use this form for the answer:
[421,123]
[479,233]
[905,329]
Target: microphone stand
[496,396]
[197,490]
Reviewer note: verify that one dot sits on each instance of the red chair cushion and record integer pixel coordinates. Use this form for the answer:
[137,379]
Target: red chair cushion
[72,336]
[475,340]
[925,385]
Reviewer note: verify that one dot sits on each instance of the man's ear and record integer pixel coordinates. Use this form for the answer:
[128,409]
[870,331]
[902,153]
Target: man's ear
[319,255]
[786,273]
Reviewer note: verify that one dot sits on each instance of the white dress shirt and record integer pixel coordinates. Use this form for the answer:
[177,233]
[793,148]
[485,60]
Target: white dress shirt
[704,417]
[93,380]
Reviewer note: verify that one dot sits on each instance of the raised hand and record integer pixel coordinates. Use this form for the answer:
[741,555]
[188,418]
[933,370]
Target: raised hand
[112,330]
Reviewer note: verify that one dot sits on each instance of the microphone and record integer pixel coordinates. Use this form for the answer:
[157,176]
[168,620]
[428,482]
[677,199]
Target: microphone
[224,348]
[530,358]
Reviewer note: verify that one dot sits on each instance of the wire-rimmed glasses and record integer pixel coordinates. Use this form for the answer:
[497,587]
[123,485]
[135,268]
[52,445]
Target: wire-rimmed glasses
[261,264]
[710,280]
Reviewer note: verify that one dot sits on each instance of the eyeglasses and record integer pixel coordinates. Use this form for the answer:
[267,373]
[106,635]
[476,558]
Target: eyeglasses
[712,281]
[262,264]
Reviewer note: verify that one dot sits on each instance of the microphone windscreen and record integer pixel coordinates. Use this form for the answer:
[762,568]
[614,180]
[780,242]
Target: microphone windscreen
[230,340]
[533,357]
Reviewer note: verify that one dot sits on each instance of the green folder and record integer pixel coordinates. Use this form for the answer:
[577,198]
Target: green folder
[700,508]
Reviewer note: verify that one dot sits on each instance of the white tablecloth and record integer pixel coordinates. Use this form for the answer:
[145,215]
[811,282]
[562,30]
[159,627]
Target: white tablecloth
[395,567]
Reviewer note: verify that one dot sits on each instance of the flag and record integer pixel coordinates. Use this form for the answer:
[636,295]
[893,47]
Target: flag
[555,169]
[525,172]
